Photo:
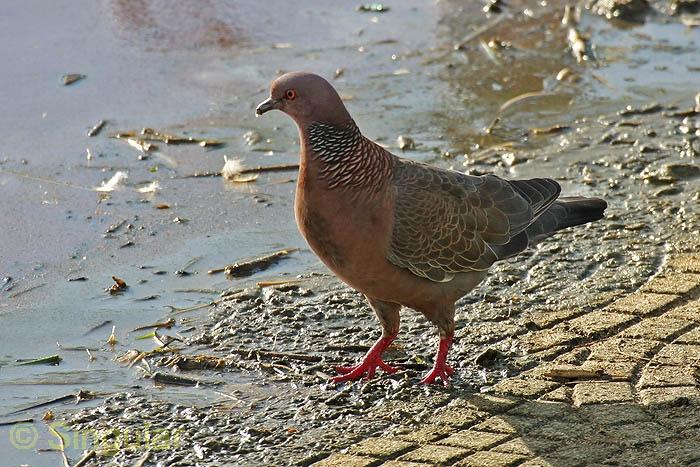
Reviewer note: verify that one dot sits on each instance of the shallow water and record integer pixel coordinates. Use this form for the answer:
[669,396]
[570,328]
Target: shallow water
[201,71]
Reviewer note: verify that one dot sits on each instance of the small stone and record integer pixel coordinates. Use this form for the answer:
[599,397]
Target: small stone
[406,143]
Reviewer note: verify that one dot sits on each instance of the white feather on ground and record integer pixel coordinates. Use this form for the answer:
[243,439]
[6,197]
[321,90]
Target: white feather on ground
[113,183]
[232,171]
[150,188]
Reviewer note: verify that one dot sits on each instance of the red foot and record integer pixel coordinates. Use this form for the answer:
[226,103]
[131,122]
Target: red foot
[440,368]
[368,366]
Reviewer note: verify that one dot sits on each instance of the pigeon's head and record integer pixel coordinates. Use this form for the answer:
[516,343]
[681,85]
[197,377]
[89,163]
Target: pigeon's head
[306,98]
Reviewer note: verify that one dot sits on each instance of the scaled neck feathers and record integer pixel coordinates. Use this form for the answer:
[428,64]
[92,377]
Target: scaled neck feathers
[348,159]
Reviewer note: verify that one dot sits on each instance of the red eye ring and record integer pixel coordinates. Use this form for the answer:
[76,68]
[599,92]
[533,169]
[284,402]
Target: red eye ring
[290,94]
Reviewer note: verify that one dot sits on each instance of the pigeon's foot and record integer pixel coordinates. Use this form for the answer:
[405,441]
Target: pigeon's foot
[369,364]
[443,373]
[440,368]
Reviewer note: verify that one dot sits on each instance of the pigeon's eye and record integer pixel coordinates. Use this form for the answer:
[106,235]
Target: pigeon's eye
[290,94]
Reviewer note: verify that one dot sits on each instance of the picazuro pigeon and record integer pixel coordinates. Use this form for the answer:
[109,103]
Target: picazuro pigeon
[406,234]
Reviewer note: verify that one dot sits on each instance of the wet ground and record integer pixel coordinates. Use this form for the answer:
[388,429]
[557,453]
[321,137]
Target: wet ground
[201,72]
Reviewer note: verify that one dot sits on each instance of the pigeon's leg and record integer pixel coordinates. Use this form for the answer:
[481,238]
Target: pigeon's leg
[441,369]
[388,315]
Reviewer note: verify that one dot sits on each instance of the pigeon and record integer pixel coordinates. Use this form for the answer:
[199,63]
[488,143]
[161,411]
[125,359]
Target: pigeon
[404,233]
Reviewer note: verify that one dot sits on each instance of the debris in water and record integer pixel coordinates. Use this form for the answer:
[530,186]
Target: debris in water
[196,362]
[647,109]
[210,143]
[118,287]
[150,188]
[95,130]
[627,10]
[99,326]
[141,145]
[164,378]
[114,227]
[162,206]
[163,324]
[578,45]
[112,340]
[252,137]
[71,78]
[493,6]
[77,279]
[81,395]
[406,143]
[554,129]
[247,268]
[50,360]
[48,416]
[115,182]
[373,8]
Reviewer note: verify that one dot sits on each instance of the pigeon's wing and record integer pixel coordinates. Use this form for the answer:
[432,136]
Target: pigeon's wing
[446,222]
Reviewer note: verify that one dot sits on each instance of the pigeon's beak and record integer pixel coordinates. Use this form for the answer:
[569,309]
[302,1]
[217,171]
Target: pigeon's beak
[264,106]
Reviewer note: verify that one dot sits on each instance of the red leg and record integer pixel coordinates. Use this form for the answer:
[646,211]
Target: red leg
[440,368]
[368,366]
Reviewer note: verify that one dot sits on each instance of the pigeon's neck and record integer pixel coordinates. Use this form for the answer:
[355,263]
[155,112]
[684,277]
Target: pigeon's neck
[345,158]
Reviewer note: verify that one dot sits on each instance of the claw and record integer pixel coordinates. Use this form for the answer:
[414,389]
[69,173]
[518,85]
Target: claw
[368,366]
[435,373]
[440,368]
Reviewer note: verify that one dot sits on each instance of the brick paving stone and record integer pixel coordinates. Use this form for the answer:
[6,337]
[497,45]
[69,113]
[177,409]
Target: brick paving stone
[543,410]
[598,322]
[489,402]
[515,446]
[547,338]
[426,434]
[526,388]
[620,349]
[558,432]
[561,394]
[346,460]
[643,433]
[458,415]
[654,396]
[614,414]
[474,440]
[491,459]
[435,454]
[678,354]
[678,283]
[573,357]
[689,311]
[641,303]
[496,424]
[690,337]
[548,318]
[595,392]
[404,464]
[664,376]
[657,328]
[685,263]
[381,447]
[539,462]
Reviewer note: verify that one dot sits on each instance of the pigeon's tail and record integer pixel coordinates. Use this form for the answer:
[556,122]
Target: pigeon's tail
[565,212]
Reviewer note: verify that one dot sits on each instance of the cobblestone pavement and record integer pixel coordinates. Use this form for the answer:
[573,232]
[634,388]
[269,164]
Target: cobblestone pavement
[615,386]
